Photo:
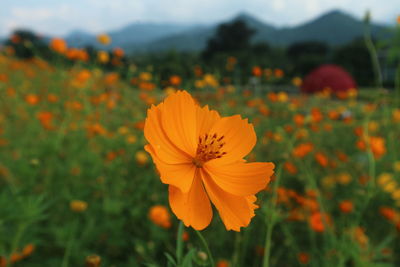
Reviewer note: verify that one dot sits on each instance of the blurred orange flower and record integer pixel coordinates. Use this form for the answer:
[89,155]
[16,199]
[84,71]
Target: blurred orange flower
[318,221]
[278,73]
[200,155]
[159,215]
[118,52]
[222,263]
[302,150]
[290,167]
[175,80]
[378,147]
[256,71]
[346,206]
[59,45]
[31,99]
[321,159]
[303,257]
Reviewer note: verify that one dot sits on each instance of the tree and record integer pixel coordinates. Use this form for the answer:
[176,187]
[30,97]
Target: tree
[306,56]
[25,43]
[355,58]
[230,38]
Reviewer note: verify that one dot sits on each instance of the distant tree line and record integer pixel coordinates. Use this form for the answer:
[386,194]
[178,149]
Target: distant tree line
[231,44]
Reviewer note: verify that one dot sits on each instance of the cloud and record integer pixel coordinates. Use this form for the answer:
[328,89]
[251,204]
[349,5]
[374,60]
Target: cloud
[278,4]
[62,16]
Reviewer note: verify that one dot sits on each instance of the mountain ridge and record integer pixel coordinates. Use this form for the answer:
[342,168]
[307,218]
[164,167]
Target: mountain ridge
[335,27]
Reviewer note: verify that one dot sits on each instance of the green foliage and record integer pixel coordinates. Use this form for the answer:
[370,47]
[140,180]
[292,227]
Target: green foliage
[230,38]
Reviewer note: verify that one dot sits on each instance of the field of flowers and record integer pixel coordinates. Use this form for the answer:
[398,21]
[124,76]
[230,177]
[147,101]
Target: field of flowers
[77,186]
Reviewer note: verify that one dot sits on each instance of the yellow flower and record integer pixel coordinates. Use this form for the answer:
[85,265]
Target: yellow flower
[145,76]
[396,115]
[396,166]
[373,126]
[103,57]
[328,181]
[343,178]
[283,97]
[123,130]
[296,81]
[396,194]
[384,178]
[93,261]
[390,187]
[78,205]
[131,139]
[104,39]
[141,158]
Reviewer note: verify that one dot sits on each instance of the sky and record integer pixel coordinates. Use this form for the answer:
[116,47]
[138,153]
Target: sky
[59,17]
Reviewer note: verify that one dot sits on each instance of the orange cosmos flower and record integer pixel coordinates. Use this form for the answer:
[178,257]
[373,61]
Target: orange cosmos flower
[302,150]
[200,156]
[32,99]
[377,145]
[257,71]
[303,257]
[278,73]
[175,80]
[118,52]
[346,206]
[159,215]
[299,119]
[222,263]
[59,45]
[318,221]
[322,159]
[290,167]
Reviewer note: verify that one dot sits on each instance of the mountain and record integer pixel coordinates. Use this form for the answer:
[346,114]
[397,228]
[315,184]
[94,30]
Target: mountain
[334,28]
[129,36]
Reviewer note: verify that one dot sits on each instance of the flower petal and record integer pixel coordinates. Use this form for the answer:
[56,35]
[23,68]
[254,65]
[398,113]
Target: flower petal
[161,144]
[206,119]
[179,175]
[194,207]
[239,138]
[235,211]
[241,179]
[179,121]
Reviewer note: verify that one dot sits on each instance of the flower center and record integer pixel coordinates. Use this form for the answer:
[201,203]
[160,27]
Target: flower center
[208,148]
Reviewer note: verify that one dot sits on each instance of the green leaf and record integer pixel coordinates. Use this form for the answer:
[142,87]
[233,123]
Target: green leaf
[170,259]
[187,260]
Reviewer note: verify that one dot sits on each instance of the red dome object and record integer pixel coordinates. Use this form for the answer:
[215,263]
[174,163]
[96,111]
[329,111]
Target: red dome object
[328,76]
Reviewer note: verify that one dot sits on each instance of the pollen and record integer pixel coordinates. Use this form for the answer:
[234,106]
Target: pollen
[209,147]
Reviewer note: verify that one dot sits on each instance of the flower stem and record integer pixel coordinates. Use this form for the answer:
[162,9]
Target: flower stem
[374,55]
[179,243]
[271,219]
[71,239]
[202,239]
[397,86]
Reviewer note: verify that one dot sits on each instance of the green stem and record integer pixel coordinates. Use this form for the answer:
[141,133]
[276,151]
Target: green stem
[374,55]
[179,243]
[236,253]
[397,86]
[65,261]
[204,242]
[271,220]
[17,238]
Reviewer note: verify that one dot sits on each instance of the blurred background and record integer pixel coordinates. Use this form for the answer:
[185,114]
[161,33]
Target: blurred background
[290,35]
[318,79]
